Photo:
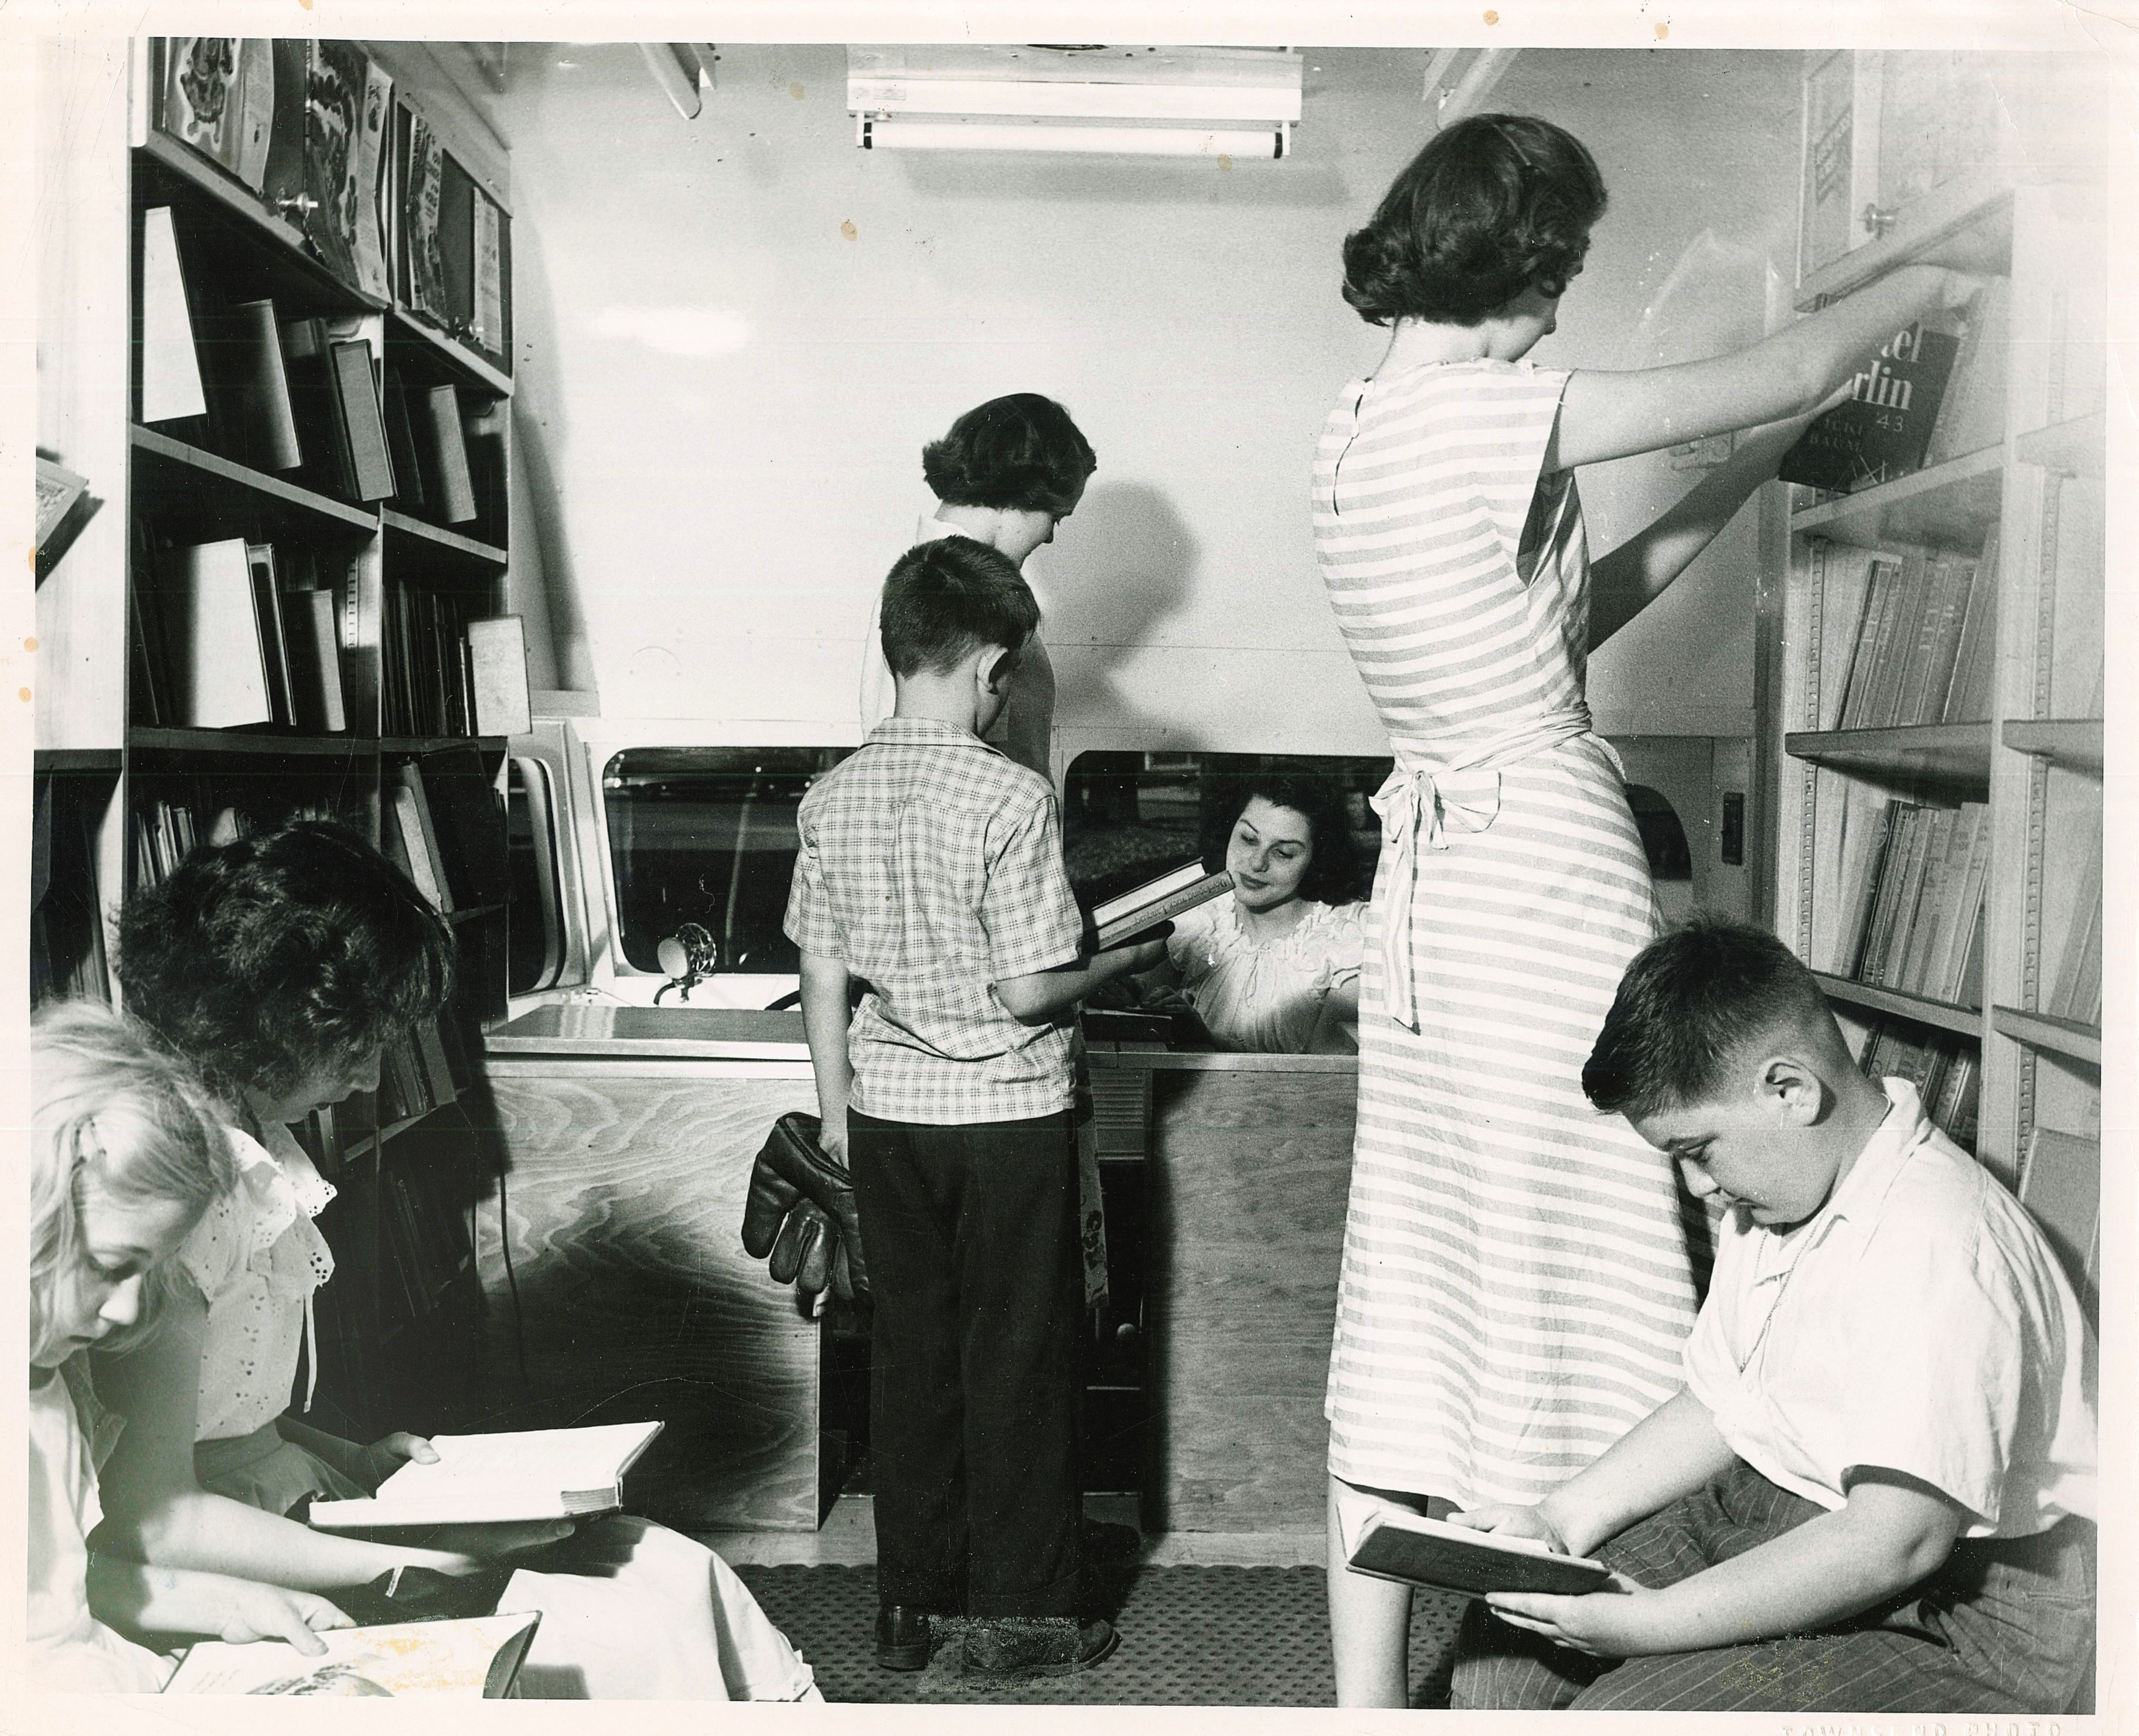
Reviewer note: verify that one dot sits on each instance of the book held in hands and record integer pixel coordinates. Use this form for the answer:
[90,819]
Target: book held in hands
[1883,428]
[1157,901]
[1388,1542]
[536,1474]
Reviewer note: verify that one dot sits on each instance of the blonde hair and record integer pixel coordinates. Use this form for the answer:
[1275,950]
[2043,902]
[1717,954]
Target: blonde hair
[108,1098]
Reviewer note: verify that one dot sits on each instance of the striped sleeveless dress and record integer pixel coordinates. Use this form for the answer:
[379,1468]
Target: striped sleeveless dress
[1516,1285]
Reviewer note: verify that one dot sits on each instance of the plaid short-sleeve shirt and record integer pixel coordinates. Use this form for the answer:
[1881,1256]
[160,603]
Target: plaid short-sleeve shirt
[931,866]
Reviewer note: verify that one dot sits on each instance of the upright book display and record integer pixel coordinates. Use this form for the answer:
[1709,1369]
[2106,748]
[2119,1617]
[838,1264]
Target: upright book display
[294,646]
[1935,713]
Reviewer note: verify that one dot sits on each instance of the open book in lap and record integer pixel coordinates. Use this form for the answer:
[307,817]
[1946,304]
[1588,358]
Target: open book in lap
[475,1659]
[536,1474]
[1389,1541]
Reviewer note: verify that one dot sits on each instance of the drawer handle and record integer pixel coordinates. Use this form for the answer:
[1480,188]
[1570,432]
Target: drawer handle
[1878,219]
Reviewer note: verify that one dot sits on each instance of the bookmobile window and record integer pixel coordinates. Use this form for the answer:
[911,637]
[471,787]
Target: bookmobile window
[705,835]
[535,937]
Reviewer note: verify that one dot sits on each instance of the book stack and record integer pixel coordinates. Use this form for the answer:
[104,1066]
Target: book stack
[429,683]
[224,638]
[1920,624]
[1946,1069]
[1914,918]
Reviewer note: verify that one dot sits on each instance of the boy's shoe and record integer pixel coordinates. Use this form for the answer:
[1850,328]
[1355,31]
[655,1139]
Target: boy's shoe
[1035,1646]
[903,1640]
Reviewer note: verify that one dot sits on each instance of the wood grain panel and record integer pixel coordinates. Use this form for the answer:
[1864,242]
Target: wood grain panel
[1249,1176]
[624,1199]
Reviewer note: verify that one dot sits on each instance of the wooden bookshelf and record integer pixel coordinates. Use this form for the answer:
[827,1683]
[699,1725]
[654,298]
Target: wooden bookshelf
[121,796]
[2027,781]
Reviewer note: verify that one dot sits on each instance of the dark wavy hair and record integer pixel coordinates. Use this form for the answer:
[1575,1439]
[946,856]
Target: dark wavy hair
[262,959]
[946,597]
[1492,205]
[1690,1005]
[1021,453]
[1332,868]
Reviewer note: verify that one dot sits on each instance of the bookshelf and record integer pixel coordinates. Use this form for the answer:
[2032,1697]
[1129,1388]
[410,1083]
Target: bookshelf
[2003,802]
[353,570]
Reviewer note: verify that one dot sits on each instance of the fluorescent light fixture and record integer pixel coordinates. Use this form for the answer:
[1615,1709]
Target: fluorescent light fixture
[885,134]
[1114,102]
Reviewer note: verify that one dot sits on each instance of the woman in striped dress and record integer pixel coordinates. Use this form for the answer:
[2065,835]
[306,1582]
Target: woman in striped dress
[1515,1284]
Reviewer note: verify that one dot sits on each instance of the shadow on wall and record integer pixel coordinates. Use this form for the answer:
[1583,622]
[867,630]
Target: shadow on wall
[1126,565]
[538,427]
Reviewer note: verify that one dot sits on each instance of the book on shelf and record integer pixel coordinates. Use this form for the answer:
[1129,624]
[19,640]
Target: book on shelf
[217,96]
[336,78]
[443,445]
[373,138]
[1972,415]
[1968,692]
[1882,430]
[267,611]
[1911,895]
[497,661]
[1944,1068]
[211,631]
[321,707]
[470,823]
[422,173]
[455,269]
[2075,988]
[323,432]
[1920,694]
[438,1070]
[475,1657]
[418,835]
[2061,1187]
[356,390]
[172,390]
[1390,1542]
[533,1474]
[401,446]
[1883,579]
[1898,635]
[251,414]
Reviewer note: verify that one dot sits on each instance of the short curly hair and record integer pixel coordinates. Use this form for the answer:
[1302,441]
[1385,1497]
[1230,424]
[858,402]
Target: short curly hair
[1496,204]
[1333,867]
[265,958]
[1021,453]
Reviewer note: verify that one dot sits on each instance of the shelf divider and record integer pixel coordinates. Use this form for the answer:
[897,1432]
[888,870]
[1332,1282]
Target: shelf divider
[1962,1020]
[1955,750]
[2066,1037]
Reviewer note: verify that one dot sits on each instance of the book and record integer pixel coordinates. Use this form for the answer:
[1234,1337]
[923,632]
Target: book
[1974,667]
[401,447]
[218,666]
[497,657]
[375,117]
[476,1657]
[371,468]
[1945,979]
[2076,988]
[308,631]
[1883,429]
[1929,671]
[1906,957]
[536,1474]
[419,839]
[469,824]
[335,82]
[257,422]
[423,274]
[1972,415]
[1157,901]
[171,386]
[1898,638]
[1867,831]
[1389,1541]
[282,187]
[448,486]
[1846,581]
[1883,582]
[267,611]
[2061,1187]
[315,395]
[218,96]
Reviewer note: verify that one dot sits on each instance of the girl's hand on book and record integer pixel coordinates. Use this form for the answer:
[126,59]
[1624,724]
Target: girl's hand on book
[1600,1624]
[254,1612]
[389,1453]
[1509,1521]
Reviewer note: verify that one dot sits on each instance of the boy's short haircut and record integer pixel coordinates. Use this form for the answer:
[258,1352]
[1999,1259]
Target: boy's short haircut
[1692,1002]
[945,597]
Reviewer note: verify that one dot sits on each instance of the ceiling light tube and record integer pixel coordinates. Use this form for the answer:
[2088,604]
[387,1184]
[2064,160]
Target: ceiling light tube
[1084,101]
[878,132]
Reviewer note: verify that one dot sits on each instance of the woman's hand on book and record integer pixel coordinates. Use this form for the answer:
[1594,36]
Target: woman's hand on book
[389,1453]
[1510,1521]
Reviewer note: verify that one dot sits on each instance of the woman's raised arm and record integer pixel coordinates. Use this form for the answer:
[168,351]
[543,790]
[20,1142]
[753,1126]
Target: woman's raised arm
[1614,415]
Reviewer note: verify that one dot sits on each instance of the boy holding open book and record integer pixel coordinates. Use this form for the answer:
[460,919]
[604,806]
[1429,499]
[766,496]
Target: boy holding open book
[1875,1491]
[931,869]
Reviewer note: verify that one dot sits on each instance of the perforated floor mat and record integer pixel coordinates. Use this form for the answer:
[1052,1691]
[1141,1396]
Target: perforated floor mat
[1191,1636]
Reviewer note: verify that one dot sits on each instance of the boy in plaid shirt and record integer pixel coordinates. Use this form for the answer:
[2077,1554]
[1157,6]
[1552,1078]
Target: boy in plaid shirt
[931,869]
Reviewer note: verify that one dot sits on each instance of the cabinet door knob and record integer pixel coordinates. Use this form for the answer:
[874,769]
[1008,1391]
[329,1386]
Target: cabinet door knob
[1878,219]
[296,205]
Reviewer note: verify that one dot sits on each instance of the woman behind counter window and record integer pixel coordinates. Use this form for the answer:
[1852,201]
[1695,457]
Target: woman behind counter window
[1275,967]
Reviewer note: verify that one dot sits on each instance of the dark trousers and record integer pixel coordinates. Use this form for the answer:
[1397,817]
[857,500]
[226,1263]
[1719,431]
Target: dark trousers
[971,1236]
[2004,1625]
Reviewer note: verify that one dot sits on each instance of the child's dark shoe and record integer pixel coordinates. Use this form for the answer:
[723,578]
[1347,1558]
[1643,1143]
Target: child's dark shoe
[1035,1646]
[903,1636]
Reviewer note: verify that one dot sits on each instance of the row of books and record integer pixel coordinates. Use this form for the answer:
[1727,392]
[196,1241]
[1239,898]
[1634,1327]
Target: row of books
[1914,921]
[442,827]
[305,126]
[313,127]
[2075,986]
[1927,396]
[1922,629]
[305,396]
[1946,1070]
[166,832]
[232,634]
[415,1075]
[439,657]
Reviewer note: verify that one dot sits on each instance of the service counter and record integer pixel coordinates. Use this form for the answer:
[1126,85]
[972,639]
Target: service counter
[627,1137]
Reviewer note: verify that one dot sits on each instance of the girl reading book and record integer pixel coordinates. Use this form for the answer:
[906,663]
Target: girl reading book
[278,964]
[1515,1284]
[1275,967]
[124,1158]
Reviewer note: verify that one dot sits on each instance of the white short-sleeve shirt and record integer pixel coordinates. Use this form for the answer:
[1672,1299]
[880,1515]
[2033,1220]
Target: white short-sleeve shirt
[1918,1324]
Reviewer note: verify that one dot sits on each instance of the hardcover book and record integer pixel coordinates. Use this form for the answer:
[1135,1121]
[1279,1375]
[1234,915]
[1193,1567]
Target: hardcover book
[1158,901]
[535,1474]
[218,97]
[1393,1542]
[1882,430]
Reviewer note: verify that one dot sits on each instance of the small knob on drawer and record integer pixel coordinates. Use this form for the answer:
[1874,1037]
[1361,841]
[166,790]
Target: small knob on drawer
[1878,219]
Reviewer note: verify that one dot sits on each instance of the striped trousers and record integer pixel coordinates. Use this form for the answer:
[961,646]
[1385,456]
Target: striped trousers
[2004,1625]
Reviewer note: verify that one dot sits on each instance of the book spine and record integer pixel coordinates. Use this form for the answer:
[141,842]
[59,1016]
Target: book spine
[1211,886]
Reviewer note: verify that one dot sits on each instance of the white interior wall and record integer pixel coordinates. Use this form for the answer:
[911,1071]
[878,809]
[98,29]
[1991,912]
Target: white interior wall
[737,333]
